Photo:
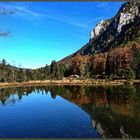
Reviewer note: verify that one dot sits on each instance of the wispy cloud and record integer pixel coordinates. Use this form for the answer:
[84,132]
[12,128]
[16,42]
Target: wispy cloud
[65,20]
[21,10]
[107,6]
[102,5]
[72,21]
[26,12]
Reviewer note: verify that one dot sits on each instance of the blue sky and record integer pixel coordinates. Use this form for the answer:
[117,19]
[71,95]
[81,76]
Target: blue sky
[46,31]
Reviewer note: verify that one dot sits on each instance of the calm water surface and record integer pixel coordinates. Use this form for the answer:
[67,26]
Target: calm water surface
[70,111]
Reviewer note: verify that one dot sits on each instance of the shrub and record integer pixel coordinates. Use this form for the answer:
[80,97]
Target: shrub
[129,74]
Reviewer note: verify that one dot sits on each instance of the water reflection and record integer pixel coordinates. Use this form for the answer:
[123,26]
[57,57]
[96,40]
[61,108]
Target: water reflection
[114,111]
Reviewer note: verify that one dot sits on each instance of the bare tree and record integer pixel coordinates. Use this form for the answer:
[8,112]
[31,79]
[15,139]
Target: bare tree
[4,11]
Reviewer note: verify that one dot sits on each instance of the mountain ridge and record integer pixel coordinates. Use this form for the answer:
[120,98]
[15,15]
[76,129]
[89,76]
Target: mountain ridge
[118,30]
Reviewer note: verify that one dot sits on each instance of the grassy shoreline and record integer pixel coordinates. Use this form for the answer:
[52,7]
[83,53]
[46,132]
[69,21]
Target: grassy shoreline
[98,82]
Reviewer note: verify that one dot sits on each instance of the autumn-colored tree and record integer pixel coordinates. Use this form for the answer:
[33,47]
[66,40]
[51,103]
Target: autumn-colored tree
[98,62]
[118,60]
[136,59]
[78,64]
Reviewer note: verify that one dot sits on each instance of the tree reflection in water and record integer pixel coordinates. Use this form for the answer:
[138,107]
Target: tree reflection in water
[114,111]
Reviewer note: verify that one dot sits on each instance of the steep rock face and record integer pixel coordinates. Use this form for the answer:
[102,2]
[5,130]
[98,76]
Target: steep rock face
[127,15]
[123,27]
[99,28]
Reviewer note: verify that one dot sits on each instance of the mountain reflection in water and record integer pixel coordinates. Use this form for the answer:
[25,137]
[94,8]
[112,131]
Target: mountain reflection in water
[114,111]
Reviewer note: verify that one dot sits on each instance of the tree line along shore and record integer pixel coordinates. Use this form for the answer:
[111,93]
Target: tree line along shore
[94,82]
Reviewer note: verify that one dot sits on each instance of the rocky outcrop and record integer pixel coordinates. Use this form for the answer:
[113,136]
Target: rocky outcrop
[117,31]
[127,15]
[99,28]
[125,26]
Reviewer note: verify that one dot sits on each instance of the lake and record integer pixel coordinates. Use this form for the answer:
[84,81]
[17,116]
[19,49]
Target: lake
[70,112]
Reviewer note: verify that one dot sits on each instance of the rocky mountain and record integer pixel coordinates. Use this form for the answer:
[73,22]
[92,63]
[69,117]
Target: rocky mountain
[114,32]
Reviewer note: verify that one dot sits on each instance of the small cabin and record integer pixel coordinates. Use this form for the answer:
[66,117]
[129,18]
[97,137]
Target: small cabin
[74,76]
